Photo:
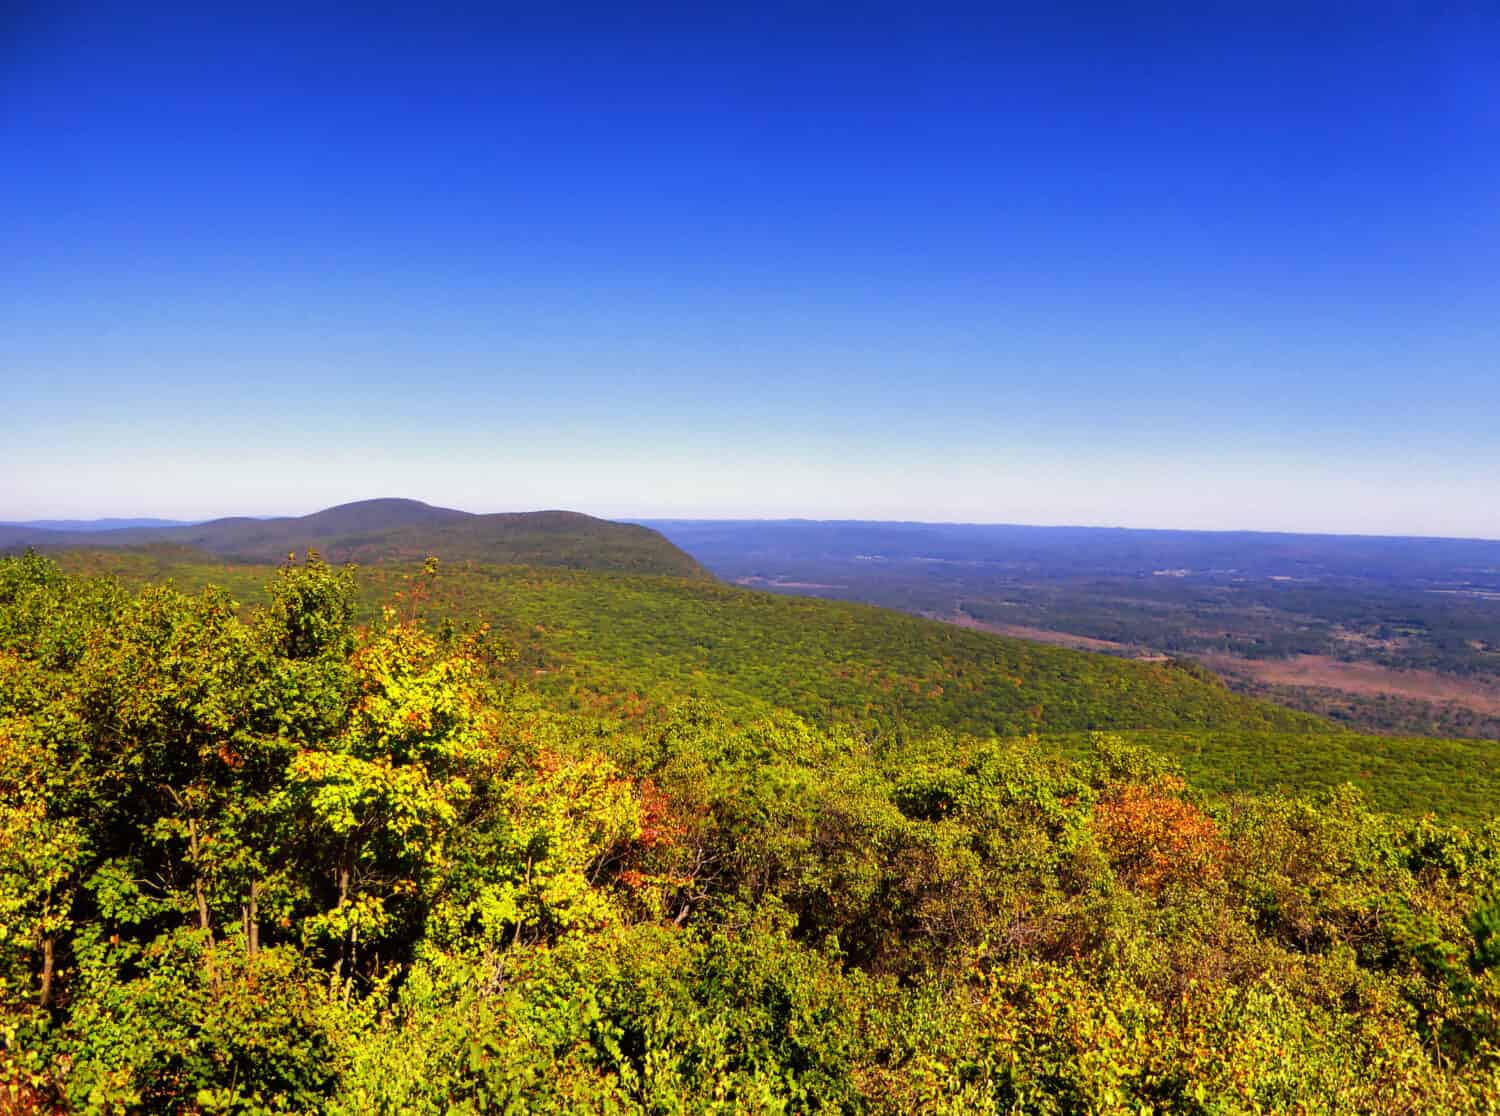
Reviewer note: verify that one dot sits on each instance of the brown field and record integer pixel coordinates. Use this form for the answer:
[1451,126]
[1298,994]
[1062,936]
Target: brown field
[779,583]
[1036,635]
[1309,672]
[1306,682]
[1364,679]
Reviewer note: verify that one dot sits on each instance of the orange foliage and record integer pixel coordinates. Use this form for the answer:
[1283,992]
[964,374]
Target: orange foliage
[229,757]
[657,824]
[1154,837]
[17,1098]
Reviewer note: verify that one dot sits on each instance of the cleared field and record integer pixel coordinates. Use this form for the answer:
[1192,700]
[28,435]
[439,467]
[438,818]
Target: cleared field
[1036,635]
[1364,679]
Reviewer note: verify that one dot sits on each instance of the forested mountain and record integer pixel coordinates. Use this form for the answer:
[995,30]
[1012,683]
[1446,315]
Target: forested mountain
[277,860]
[593,641]
[631,649]
[385,530]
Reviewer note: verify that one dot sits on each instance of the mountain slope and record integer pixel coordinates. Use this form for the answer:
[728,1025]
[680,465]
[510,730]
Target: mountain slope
[1457,780]
[591,637]
[630,647]
[372,531]
[629,643]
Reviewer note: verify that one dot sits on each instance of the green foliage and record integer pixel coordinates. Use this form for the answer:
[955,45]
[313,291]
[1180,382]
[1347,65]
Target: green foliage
[272,862]
[1456,779]
[171,1022]
[629,645]
[310,611]
[45,615]
[596,642]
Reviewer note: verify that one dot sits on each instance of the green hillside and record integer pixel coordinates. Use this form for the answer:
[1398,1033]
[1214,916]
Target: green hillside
[630,649]
[584,637]
[373,531]
[628,644]
[1458,780]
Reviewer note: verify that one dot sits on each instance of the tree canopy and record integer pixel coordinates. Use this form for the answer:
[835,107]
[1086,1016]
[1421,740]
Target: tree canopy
[274,861]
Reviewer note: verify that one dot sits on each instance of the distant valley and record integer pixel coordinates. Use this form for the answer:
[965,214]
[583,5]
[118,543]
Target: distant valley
[1394,635]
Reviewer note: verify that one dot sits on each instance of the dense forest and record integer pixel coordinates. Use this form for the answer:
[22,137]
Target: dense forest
[629,649]
[590,639]
[1394,636]
[300,857]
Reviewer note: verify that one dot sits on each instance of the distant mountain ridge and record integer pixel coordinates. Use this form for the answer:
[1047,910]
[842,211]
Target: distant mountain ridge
[733,547]
[371,531]
[96,524]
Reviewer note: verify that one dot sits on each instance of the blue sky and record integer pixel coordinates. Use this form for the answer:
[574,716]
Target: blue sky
[1151,265]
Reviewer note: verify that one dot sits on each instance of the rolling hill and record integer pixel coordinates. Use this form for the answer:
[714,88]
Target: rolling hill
[372,531]
[632,643]
[630,648]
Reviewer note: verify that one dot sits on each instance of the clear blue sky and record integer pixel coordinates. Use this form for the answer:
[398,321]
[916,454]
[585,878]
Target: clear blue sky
[1190,265]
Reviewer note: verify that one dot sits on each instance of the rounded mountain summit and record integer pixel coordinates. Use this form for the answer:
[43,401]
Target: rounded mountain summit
[385,530]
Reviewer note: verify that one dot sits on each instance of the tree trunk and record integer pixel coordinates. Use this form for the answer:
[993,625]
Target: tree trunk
[345,872]
[252,919]
[353,961]
[48,958]
[198,892]
[202,898]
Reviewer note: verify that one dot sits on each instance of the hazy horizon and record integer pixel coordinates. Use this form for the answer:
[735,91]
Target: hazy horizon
[1165,267]
[83,522]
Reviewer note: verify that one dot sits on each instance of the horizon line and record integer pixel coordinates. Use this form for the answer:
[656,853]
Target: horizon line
[164,523]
